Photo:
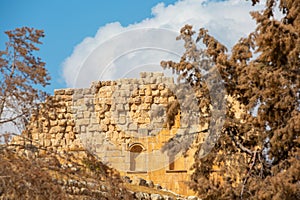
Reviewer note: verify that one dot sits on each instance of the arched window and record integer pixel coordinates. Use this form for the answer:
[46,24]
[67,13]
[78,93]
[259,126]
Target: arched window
[137,159]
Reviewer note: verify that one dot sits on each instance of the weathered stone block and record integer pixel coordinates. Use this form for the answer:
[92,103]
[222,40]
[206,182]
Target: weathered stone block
[82,129]
[59,92]
[93,128]
[145,106]
[135,93]
[155,93]
[148,90]
[148,99]
[152,80]
[137,100]
[161,86]
[86,114]
[69,129]
[86,91]
[62,122]
[163,100]
[54,130]
[59,136]
[47,143]
[156,100]
[52,116]
[103,127]
[122,119]
[120,107]
[61,116]
[134,107]
[143,132]
[132,127]
[82,122]
[68,98]
[70,122]
[141,92]
[111,127]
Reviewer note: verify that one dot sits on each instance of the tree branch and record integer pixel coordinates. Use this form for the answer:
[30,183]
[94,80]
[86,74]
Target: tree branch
[242,147]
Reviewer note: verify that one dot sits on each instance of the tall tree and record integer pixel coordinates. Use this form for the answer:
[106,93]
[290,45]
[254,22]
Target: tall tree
[22,75]
[257,155]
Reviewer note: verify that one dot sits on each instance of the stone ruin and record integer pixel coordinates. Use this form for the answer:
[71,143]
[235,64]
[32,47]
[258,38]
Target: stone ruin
[125,124]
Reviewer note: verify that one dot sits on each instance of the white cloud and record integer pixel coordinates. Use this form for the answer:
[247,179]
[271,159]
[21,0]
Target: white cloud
[116,51]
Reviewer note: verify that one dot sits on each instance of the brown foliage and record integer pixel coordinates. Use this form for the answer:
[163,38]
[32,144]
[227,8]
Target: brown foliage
[21,73]
[55,176]
[257,156]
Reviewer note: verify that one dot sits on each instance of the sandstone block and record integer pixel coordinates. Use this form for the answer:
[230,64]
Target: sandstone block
[148,90]
[68,98]
[52,116]
[35,136]
[126,87]
[86,91]
[163,100]
[54,130]
[137,100]
[59,92]
[70,122]
[135,93]
[77,96]
[105,121]
[152,80]
[59,136]
[165,92]
[134,107]
[111,127]
[122,119]
[82,129]
[93,128]
[161,86]
[154,86]
[143,132]
[145,106]
[141,92]
[61,116]
[62,122]
[156,100]
[148,99]
[79,115]
[103,127]
[124,93]
[155,93]
[47,143]
[108,101]
[132,127]
[82,121]
[72,136]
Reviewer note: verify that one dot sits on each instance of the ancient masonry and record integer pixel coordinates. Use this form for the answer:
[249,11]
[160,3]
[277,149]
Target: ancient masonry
[124,123]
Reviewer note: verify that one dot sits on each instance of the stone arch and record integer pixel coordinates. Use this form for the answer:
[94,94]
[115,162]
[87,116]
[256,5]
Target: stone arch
[137,158]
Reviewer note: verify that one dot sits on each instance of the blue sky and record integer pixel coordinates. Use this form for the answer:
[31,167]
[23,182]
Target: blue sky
[68,24]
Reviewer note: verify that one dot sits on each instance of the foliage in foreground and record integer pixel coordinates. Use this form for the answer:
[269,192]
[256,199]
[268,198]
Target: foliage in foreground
[257,156]
[22,74]
[24,175]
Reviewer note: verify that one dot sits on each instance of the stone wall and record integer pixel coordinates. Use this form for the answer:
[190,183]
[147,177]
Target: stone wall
[124,123]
